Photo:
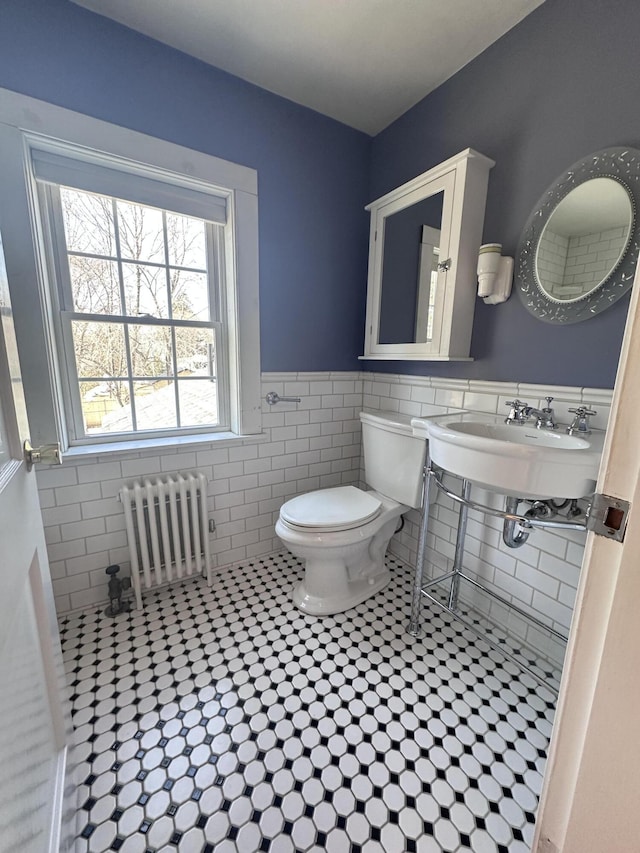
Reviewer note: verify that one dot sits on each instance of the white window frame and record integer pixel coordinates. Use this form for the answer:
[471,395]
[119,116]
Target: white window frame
[64,314]
[26,123]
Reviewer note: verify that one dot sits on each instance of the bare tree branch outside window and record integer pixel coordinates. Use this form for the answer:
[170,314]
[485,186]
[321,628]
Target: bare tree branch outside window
[129,263]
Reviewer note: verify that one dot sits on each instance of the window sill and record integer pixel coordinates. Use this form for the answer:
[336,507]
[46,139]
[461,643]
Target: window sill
[123,448]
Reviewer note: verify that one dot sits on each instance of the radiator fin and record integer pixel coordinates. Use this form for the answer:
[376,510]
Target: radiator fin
[166,523]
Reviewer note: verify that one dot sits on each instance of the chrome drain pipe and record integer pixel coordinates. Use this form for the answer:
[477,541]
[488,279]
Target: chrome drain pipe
[515,533]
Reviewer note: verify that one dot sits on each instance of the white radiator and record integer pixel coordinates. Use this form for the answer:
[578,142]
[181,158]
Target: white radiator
[167,530]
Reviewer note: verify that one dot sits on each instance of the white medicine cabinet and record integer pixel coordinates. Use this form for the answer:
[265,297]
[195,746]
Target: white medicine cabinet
[423,253]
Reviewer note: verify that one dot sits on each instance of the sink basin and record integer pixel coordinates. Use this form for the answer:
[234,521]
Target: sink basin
[513,459]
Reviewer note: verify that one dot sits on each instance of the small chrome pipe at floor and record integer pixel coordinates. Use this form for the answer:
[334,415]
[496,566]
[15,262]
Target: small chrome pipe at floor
[413,628]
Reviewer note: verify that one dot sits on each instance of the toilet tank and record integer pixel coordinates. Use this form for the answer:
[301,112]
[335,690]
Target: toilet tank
[393,458]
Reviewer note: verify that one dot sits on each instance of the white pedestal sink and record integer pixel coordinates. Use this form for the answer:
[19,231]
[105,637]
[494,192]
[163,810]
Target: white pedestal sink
[513,459]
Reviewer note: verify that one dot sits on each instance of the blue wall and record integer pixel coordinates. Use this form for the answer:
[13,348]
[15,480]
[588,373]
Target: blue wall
[563,83]
[312,171]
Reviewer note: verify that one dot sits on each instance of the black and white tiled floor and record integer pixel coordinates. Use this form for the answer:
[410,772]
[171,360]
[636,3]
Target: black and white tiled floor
[223,719]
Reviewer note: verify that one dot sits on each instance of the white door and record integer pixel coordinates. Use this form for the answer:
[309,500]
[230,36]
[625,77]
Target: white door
[590,800]
[34,724]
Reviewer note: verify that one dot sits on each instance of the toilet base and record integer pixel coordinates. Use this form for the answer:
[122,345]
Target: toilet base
[356,592]
[345,567]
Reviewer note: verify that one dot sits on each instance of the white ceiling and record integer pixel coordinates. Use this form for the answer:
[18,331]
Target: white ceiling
[363,62]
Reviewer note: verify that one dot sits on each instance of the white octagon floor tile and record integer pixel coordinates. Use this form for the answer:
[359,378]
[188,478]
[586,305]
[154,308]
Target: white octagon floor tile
[208,724]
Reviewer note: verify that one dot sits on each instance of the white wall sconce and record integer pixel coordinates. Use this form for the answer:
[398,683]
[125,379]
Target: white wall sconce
[495,274]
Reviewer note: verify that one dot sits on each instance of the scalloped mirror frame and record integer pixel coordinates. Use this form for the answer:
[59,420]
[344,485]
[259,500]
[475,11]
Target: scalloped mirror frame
[622,164]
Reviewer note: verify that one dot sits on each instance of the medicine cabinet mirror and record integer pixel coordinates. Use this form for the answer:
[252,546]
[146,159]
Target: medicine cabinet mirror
[579,248]
[423,251]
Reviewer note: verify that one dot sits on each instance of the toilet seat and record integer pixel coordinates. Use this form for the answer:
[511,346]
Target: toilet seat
[328,510]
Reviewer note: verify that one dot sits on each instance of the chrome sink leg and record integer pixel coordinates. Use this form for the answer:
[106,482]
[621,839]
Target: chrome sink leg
[413,628]
[459,552]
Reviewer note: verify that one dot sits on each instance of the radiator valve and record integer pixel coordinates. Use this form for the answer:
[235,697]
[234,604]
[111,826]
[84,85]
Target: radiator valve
[116,588]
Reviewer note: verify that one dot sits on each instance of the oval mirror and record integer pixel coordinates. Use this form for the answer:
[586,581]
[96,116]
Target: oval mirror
[580,246]
[584,239]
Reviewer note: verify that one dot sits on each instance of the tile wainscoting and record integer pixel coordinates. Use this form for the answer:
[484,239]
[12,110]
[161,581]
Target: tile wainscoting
[313,444]
[310,445]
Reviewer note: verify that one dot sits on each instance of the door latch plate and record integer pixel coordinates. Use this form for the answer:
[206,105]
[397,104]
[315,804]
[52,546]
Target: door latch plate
[50,454]
[607,516]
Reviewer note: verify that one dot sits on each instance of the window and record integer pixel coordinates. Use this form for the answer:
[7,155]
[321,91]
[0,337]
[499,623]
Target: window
[141,302]
[46,152]
[98,359]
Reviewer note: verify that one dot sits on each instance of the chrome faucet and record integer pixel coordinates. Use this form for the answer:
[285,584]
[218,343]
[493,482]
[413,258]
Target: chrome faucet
[544,417]
[519,413]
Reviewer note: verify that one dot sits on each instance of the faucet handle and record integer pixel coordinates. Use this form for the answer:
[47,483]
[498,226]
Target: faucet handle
[580,423]
[517,411]
[549,401]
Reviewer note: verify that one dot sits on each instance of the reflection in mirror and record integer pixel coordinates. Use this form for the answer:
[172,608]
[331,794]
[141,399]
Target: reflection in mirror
[409,272]
[584,239]
[427,283]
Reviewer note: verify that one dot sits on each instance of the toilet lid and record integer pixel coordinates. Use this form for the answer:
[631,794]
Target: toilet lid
[331,509]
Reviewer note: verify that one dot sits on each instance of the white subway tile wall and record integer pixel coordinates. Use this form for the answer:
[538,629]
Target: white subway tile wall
[551,259]
[572,266]
[590,257]
[309,445]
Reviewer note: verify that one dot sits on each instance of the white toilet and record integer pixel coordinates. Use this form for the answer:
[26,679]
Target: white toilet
[342,534]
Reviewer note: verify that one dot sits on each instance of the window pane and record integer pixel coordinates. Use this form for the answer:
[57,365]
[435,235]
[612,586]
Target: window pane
[105,407]
[94,285]
[151,350]
[88,222]
[145,291]
[99,348]
[186,242]
[148,268]
[195,351]
[141,232]
[155,404]
[198,402]
[189,295]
